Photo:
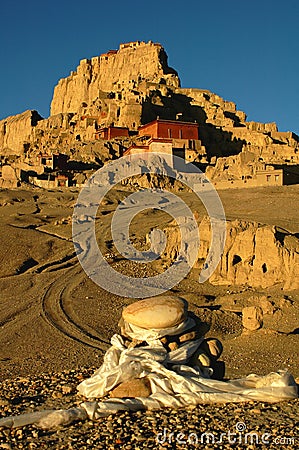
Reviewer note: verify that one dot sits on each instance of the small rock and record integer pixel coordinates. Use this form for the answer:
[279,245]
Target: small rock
[212,347]
[173,346]
[203,360]
[67,389]
[57,394]
[138,387]
[4,402]
[267,306]
[252,317]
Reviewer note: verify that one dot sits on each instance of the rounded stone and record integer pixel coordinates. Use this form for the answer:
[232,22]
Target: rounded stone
[156,312]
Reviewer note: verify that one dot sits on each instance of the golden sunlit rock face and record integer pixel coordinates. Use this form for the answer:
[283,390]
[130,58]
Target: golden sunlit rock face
[97,110]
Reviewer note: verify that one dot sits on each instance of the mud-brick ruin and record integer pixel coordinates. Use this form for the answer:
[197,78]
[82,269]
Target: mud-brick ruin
[130,99]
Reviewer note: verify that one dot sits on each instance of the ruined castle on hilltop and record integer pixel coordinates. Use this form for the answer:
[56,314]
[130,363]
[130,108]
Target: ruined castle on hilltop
[130,99]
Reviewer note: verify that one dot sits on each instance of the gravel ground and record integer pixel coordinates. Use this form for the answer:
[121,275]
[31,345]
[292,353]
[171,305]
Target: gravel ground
[247,425]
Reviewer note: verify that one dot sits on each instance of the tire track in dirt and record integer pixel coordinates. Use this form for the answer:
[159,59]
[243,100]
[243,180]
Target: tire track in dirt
[57,311]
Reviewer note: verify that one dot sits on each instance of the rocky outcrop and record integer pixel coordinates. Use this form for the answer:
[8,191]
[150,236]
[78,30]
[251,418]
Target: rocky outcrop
[254,254]
[16,132]
[116,70]
[9,178]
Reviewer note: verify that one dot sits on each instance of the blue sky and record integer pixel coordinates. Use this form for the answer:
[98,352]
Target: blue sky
[245,51]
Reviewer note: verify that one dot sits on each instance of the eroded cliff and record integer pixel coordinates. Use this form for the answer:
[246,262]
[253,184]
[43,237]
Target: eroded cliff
[254,254]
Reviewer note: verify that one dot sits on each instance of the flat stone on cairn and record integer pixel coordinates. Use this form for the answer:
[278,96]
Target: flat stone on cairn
[156,312]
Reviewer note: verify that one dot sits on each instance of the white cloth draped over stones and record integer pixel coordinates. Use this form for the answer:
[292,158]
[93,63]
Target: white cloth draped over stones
[173,383]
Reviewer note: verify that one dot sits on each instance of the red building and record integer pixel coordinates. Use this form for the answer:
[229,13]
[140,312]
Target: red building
[112,132]
[169,129]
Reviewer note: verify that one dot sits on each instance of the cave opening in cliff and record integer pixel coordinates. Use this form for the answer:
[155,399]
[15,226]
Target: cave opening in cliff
[236,259]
